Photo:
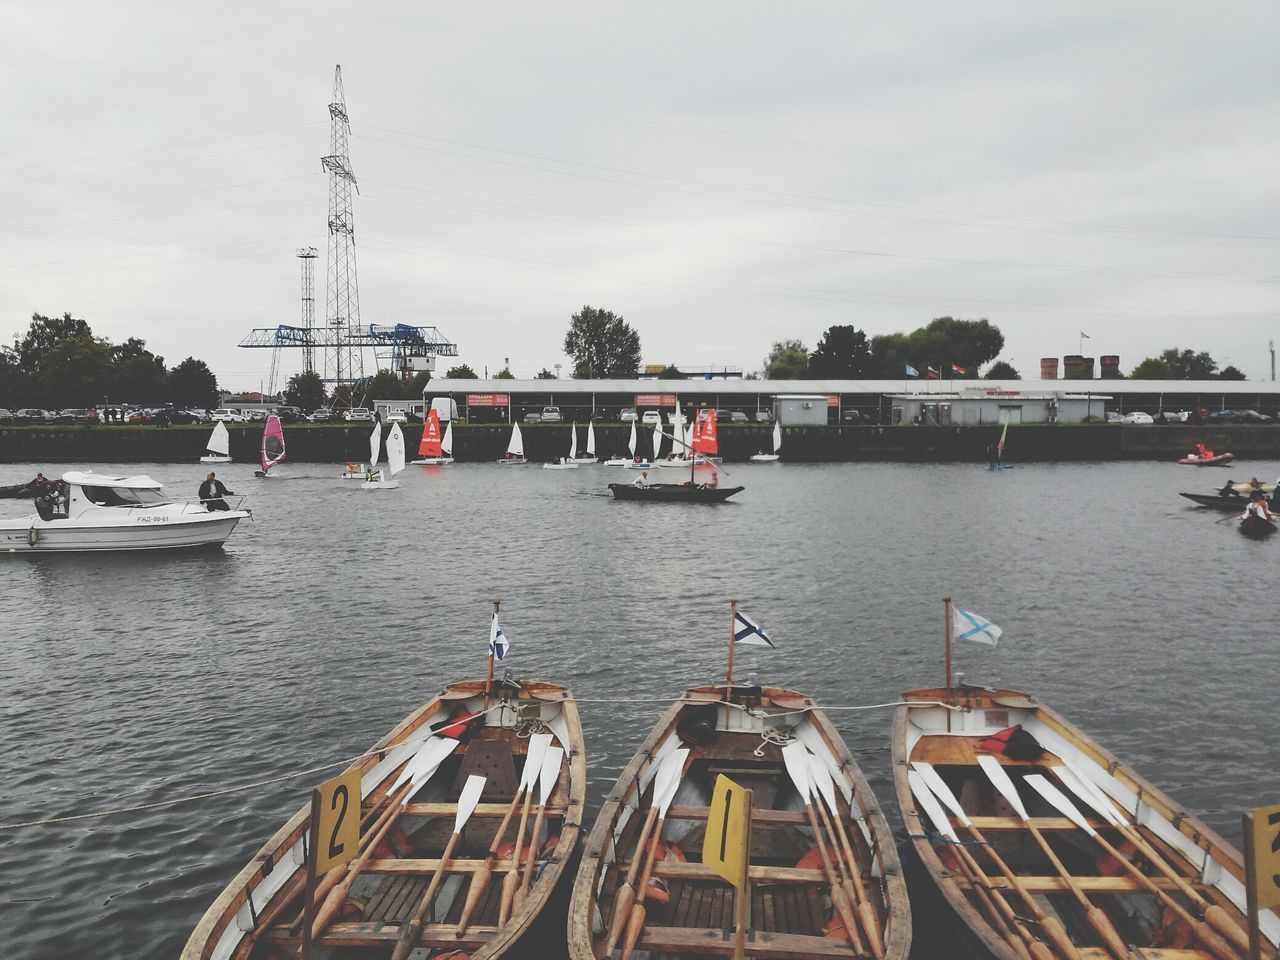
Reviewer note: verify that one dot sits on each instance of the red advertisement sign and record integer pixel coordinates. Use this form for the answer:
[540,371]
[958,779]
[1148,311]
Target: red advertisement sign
[488,399]
[655,399]
[833,399]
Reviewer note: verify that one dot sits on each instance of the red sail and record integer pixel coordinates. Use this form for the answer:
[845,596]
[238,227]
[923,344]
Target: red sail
[430,445]
[705,439]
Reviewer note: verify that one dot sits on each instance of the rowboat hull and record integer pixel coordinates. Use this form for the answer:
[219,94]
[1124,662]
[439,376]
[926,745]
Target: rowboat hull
[788,902]
[254,917]
[1256,527]
[927,731]
[1217,460]
[1217,502]
[672,493]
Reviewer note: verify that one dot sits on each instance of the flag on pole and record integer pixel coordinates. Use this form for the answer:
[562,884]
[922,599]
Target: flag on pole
[745,630]
[498,642]
[934,373]
[911,371]
[957,371]
[970,626]
[1085,336]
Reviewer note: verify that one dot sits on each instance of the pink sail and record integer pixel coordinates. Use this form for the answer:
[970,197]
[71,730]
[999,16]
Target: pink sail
[272,443]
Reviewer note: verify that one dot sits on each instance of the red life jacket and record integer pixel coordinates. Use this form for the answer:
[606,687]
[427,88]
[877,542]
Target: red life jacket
[1014,743]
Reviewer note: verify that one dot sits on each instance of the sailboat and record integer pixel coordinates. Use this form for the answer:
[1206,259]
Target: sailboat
[570,462]
[998,463]
[219,445]
[515,447]
[631,445]
[272,451]
[433,450]
[395,459]
[777,445]
[591,445]
[636,462]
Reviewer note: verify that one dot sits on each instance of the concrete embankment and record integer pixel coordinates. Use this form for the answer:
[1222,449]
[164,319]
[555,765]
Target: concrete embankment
[479,443]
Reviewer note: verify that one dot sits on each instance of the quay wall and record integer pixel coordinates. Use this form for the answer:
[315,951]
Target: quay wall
[543,442]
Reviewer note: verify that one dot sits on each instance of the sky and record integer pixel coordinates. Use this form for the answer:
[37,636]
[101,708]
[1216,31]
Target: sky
[723,175]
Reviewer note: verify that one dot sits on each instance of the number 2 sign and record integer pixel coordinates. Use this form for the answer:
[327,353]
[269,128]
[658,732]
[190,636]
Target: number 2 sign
[335,828]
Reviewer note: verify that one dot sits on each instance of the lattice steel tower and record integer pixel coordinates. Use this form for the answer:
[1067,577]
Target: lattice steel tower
[344,360]
[308,257]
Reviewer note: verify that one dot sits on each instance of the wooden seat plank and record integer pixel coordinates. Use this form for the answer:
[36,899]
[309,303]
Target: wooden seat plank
[377,934]
[766,946]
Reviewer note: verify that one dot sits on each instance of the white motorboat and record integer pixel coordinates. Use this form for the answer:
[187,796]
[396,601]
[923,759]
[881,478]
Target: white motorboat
[777,445]
[219,446]
[617,462]
[515,447]
[120,513]
[374,480]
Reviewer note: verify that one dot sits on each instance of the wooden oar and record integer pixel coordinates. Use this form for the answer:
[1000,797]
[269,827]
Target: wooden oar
[417,771]
[997,911]
[483,875]
[546,783]
[1051,926]
[511,880]
[825,790]
[794,758]
[1078,782]
[1204,933]
[1097,919]
[636,919]
[665,779]
[467,801]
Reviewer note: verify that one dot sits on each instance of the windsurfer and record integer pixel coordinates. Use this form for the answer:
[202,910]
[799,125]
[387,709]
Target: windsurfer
[211,493]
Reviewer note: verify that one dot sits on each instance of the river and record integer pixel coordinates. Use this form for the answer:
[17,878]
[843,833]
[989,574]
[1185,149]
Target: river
[127,680]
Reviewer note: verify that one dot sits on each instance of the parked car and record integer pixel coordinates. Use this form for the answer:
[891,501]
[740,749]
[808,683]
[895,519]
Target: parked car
[1251,416]
[737,416]
[551,415]
[30,415]
[764,416]
[224,414]
[185,416]
[723,415]
[359,414]
[6,416]
[260,415]
[1221,416]
[651,416]
[1137,416]
[321,415]
[533,418]
[850,416]
[1114,417]
[289,414]
[397,416]
[628,415]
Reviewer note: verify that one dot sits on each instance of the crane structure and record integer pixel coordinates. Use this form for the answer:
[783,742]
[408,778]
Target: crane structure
[341,341]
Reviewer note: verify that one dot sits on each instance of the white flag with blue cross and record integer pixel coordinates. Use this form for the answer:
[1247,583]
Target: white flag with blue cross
[970,626]
[498,642]
[746,630]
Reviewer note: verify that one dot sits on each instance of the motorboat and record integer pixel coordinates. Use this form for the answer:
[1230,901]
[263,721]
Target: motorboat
[1204,457]
[1228,503]
[120,513]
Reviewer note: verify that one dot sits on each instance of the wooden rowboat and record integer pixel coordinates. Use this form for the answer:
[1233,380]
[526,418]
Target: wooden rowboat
[1258,528]
[673,492]
[1090,863]
[410,837]
[642,886]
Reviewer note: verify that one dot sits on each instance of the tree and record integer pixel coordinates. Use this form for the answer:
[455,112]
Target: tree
[418,385]
[461,372]
[602,344]
[842,354]
[386,385]
[77,372]
[504,374]
[946,340]
[137,374]
[192,384]
[1175,364]
[44,334]
[544,374]
[787,360]
[670,372]
[305,390]
[1152,368]
[1230,372]
[1000,370]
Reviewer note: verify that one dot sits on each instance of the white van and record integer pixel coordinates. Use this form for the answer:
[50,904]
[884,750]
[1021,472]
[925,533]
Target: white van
[446,408]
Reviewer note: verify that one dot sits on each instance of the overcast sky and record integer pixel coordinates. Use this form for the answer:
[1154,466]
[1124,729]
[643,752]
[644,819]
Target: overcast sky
[722,174]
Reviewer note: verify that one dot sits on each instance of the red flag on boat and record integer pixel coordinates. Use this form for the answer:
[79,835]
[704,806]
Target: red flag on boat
[430,445]
[705,439]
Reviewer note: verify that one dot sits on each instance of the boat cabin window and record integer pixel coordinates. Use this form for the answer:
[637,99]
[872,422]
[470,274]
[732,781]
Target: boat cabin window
[122,497]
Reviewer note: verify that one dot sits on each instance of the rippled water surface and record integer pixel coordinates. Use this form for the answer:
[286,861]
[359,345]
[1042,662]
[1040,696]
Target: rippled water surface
[133,679]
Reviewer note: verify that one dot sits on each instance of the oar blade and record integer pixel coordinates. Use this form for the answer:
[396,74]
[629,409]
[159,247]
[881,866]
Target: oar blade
[1000,780]
[1059,800]
[808,734]
[667,781]
[549,774]
[820,777]
[538,745]
[468,799]
[940,790]
[795,756]
[929,804]
[1099,799]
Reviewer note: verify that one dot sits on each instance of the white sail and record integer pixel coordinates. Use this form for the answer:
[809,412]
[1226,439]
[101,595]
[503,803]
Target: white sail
[395,449]
[631,444]
[375,446]
[657,439]
[777,437]
[516,447]
[219,441]
[446,444]
[591,438]
[573,441]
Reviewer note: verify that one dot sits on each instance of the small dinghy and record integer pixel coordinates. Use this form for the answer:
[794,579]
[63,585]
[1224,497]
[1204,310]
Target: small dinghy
[1048,847]
[571,461]
[1256,527]
[777,445]
[218,446]
[618,462]
[469,813]
[1217,501]
[515,448]
[434,450]
[1204,457]
[823,874]
[591,445]
[374,479]
[272,451]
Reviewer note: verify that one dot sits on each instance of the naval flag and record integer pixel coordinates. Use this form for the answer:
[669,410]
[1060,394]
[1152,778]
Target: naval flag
[910,371]
[745,630]
[970,626]
[498,642]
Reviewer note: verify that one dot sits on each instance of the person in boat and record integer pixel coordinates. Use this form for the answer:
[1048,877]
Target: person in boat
[1228,489]
[642,480]
[1258,507]
[211,493]
[1203,452]
[368,474]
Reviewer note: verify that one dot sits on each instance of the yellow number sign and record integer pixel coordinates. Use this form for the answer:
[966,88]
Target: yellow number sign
[335,829]
[1262,855]
[725,848]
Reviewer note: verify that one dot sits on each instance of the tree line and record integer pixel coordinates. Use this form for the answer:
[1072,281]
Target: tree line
[60,363]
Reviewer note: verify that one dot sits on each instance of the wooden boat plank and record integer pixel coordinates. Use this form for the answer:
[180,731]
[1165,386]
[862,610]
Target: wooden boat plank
[1042,823]
[1055,884]
[482,811]
[688,812]
[678,870]
[376,934]
[766,946]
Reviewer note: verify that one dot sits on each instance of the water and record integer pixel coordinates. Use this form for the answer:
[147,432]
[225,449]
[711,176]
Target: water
[133,679]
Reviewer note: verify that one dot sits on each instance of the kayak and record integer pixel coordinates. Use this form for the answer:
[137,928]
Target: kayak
[1217,460]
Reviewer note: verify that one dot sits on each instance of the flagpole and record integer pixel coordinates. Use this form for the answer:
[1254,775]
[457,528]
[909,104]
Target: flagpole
[488,680]
[733,620]
[946,604]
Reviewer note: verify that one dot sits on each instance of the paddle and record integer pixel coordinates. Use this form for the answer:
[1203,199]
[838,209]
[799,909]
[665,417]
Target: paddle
[546,783]
[1077,781]
[635,922]
[538,745]
[420,768]
[511,880]
[1097,919]
[998,913]
[1204,933]
[666,780]
[825,789]
[1051,926]
[794,756]
[467,801]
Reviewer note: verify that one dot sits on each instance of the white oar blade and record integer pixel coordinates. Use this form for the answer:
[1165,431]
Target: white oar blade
[939,788]
[667,782]
[1059,800]
[427,761]
[538,745]
[1000,780]
[821,778]
[929,804]
[795,755]
[411,765]
[1091,792]
[549,774]
[807,734]
[470,796]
